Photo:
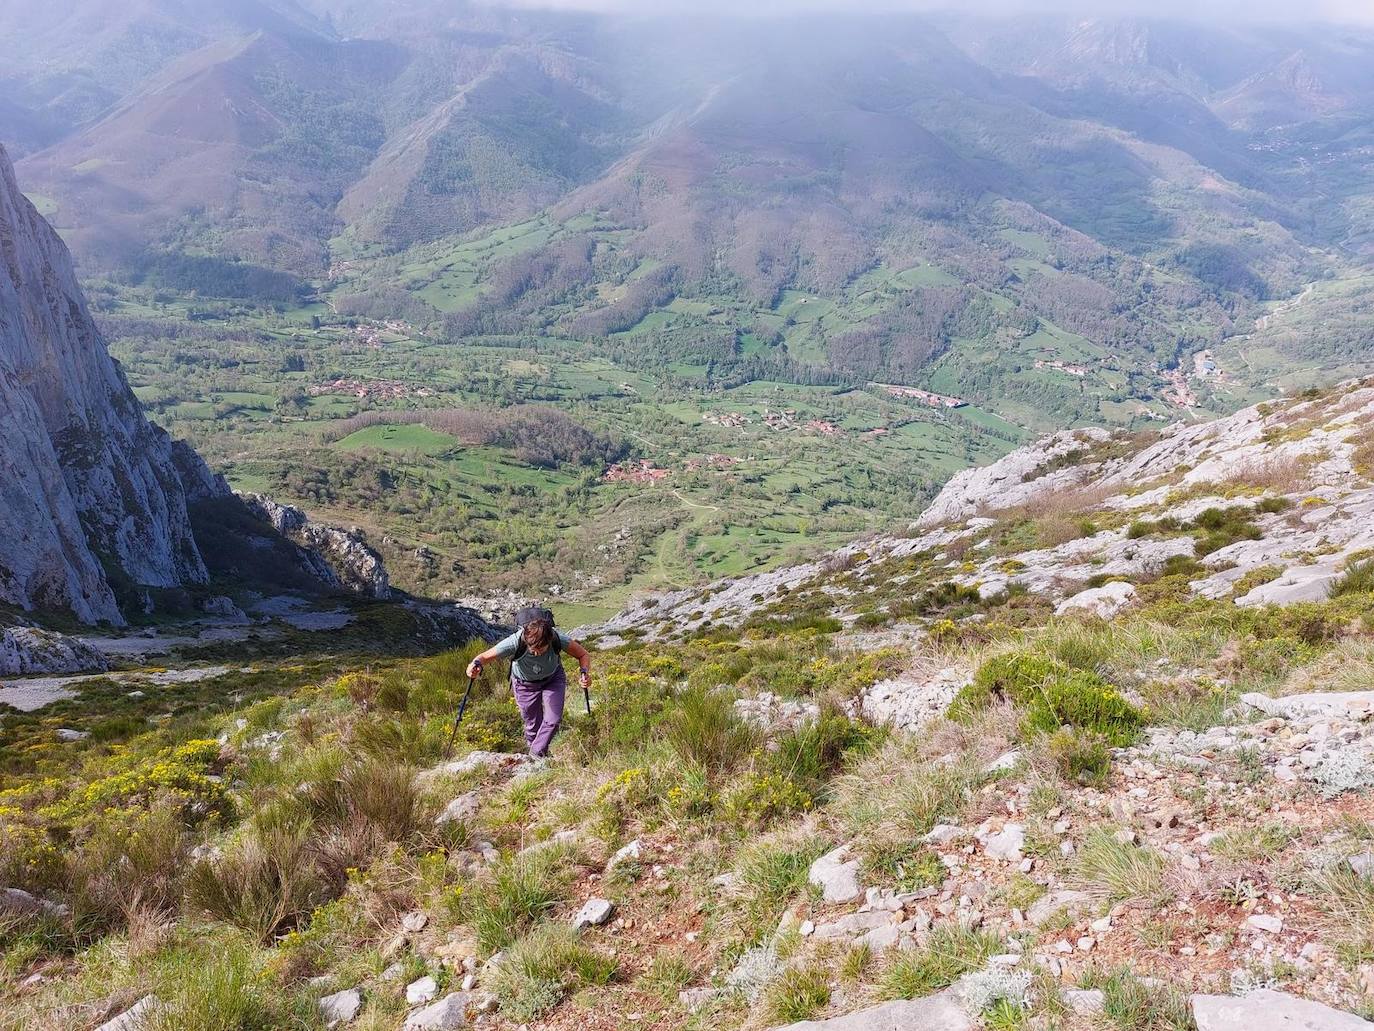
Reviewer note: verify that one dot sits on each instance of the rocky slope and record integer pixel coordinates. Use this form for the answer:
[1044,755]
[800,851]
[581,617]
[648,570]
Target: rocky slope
[91,498]
[1271,504]
[340,558]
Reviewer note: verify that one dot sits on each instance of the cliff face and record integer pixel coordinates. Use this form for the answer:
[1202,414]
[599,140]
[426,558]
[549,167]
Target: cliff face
[91,498]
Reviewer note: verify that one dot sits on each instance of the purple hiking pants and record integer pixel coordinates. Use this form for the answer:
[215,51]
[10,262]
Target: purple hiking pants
[541,706]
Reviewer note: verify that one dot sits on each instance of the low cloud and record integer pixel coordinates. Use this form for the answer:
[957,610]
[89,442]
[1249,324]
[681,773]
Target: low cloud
[1353,11]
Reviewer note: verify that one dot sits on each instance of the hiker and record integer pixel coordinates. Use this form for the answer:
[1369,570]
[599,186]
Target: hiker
[536,673]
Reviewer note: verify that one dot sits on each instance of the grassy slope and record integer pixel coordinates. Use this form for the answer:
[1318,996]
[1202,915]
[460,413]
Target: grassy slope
[662,762]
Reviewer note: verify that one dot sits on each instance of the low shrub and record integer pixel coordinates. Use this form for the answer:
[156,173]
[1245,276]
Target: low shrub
[1082,700]
[760,798]
[267,878]
[703,727]
[1079,756]
[813,750]
[1357,579]
[130,860]
[1215,528]
[1012,677]
[538,971]
[949,953]
[798,993]
[517,892]
[907,865]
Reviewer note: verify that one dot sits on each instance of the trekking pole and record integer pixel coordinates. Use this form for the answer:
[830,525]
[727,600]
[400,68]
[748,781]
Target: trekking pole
[587,697]
[461,707]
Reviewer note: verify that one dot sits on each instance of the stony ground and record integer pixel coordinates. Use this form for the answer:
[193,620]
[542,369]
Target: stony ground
[1046,763]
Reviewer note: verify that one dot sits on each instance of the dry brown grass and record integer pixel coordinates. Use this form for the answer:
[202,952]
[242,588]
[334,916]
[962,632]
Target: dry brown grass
[1362,458]
[1282,474]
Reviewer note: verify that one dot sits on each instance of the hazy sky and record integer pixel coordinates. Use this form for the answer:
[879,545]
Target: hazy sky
[1242,10]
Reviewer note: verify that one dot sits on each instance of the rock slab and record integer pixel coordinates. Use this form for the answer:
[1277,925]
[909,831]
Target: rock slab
[1268,1010]
[939,1012]
[449,1012]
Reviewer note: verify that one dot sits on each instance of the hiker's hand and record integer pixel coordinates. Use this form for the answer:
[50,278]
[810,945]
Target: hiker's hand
[474,669]
[586,678]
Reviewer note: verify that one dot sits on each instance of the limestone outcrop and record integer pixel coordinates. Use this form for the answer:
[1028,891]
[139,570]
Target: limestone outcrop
[92,498]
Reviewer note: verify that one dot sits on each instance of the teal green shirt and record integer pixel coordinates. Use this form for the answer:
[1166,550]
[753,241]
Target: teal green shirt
[530,666]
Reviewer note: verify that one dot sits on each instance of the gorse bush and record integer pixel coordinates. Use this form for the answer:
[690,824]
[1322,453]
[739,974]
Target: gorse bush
[130,860]
[1009,677]
[1085,701]
[815,749]
[1079,756]
[1050,695]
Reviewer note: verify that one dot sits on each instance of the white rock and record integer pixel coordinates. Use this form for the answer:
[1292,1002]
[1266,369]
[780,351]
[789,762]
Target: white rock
[1005,761]
[1007,843]
[462,808]
[1268,1010]
[939,1012]
[1103,602]
[630,851]
[341,1007]
[448,1012]
[1265,922]
[1048,905]
[837,875]
[594,913]
[422,990]
[22,903]
[943,834]
[1086,1001]
[136,1017]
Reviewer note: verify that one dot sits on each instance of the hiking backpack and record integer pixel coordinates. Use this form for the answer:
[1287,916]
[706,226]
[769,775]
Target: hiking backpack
[524,618]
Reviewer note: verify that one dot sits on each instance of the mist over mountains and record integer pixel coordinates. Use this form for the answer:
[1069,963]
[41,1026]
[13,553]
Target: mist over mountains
[1142,182]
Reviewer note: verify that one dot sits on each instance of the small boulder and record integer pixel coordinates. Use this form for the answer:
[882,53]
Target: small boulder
[19,902]
[943,834]
[1265,922]
[423,990]
[594,913]
[837,875]
[693,999]
[341,1007]
[630,851]
[448,1012]
[1103,602]
[1006,844]
[1047,905]
[464,807]
[1085,1001]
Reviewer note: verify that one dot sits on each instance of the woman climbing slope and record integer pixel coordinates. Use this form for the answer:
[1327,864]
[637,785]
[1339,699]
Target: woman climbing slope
[536,673]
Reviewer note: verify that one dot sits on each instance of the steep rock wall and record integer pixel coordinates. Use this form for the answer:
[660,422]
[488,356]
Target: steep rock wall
[91,500]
